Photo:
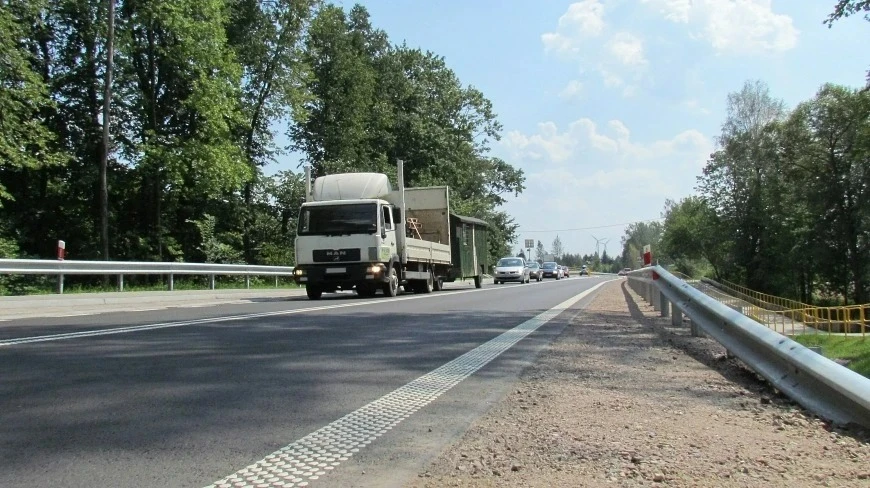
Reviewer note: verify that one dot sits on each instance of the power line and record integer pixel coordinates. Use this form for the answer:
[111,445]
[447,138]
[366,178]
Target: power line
[592,228]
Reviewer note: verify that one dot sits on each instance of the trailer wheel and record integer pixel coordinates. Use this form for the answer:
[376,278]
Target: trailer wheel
[391,288]
[314,292]
[478,281]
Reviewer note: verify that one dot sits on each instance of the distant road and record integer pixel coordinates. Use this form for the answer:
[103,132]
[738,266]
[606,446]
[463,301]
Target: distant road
[189,396]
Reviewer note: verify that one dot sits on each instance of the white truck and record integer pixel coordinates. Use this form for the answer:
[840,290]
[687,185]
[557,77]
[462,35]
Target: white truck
[357,233]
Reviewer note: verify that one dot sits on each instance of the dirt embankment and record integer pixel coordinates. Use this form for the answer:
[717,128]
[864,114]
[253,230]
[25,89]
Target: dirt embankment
[621,398]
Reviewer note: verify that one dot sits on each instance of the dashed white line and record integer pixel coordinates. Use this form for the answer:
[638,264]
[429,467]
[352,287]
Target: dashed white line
[323,450]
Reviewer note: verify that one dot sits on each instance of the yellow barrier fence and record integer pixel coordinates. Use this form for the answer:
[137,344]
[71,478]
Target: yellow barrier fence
[791,316]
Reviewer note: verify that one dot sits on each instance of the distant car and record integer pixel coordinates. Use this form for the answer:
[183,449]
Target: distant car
[535,271]
[511,269]
[552,270]
[624,271]
[584,271]
[566,271]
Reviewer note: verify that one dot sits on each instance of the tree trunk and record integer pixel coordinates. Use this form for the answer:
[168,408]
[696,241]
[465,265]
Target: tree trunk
[104,154]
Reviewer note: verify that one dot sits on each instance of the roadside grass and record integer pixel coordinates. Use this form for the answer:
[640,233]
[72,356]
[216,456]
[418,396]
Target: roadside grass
[854,349]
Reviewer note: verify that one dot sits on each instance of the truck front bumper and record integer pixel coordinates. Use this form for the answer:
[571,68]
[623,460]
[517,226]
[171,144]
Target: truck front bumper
[343,276]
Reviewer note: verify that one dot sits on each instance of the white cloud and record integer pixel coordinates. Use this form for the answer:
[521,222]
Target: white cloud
[572,91]
[627,49]
[582,20]
[594,175]
[732,26]
[581,36]
[693,105]
[583,143]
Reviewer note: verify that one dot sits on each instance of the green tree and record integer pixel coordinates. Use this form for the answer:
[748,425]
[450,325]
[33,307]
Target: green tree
[267,39]
[743,183]
[25,139]
[692,232]
[182,85]
[832,160]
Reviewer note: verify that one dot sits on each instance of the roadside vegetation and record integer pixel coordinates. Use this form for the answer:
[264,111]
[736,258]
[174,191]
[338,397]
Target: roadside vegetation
[205,97]
[854,352]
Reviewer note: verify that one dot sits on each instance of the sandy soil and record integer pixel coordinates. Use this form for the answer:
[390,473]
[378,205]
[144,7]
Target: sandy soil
[621,398]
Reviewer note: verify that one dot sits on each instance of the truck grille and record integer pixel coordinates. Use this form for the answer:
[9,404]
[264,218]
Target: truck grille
[335,255]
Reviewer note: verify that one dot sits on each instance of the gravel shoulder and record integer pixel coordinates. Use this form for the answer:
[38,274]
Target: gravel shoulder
[622,398]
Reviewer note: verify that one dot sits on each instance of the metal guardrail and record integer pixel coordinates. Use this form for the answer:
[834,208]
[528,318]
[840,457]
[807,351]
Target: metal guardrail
[121,268]
[812,380]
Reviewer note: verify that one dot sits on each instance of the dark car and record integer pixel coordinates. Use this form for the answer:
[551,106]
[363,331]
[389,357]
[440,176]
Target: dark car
[552,269]
[584,271]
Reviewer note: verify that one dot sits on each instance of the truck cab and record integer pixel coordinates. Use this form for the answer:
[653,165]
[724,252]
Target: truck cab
[342,244]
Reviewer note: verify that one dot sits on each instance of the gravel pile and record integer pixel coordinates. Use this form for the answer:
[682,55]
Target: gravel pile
[621,398]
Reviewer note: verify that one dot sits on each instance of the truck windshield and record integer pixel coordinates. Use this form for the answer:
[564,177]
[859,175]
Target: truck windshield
[356,218]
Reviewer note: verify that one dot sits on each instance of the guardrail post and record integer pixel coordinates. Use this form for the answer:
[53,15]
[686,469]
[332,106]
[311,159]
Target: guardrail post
[120,282]
[696,331]
[676,316]
[60,284]
[247,282]
[665,304]
[211,282]
[656,297]
[276,281]
[171,282]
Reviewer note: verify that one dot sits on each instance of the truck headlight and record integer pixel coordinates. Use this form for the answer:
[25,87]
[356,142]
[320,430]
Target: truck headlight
[299,272]
[373,269]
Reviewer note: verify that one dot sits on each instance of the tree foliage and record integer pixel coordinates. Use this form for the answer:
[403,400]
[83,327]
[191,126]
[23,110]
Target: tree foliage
[783,205]
[200,87]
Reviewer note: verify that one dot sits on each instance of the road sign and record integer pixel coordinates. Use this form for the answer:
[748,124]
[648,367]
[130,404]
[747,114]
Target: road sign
[647,255]
[530,243]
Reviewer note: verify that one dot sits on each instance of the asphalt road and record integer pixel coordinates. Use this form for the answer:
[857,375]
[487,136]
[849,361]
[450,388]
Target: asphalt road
[338,392]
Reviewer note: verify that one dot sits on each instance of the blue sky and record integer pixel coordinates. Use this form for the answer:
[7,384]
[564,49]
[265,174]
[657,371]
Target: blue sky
[612,106]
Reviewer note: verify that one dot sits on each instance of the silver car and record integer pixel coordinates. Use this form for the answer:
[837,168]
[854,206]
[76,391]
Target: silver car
[511,269]
[535,271]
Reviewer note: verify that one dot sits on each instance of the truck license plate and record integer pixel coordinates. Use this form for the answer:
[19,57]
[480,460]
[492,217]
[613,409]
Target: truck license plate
[336,270]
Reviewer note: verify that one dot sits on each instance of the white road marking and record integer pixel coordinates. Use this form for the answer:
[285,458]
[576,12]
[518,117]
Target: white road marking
[321,451]
[167,325]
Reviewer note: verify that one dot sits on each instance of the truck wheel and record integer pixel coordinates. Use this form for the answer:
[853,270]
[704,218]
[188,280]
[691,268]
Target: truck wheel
[391,288]
[439,284]
[478,281]
[313,292]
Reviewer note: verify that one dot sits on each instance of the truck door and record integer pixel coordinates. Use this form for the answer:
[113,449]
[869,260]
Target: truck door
[388,226]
